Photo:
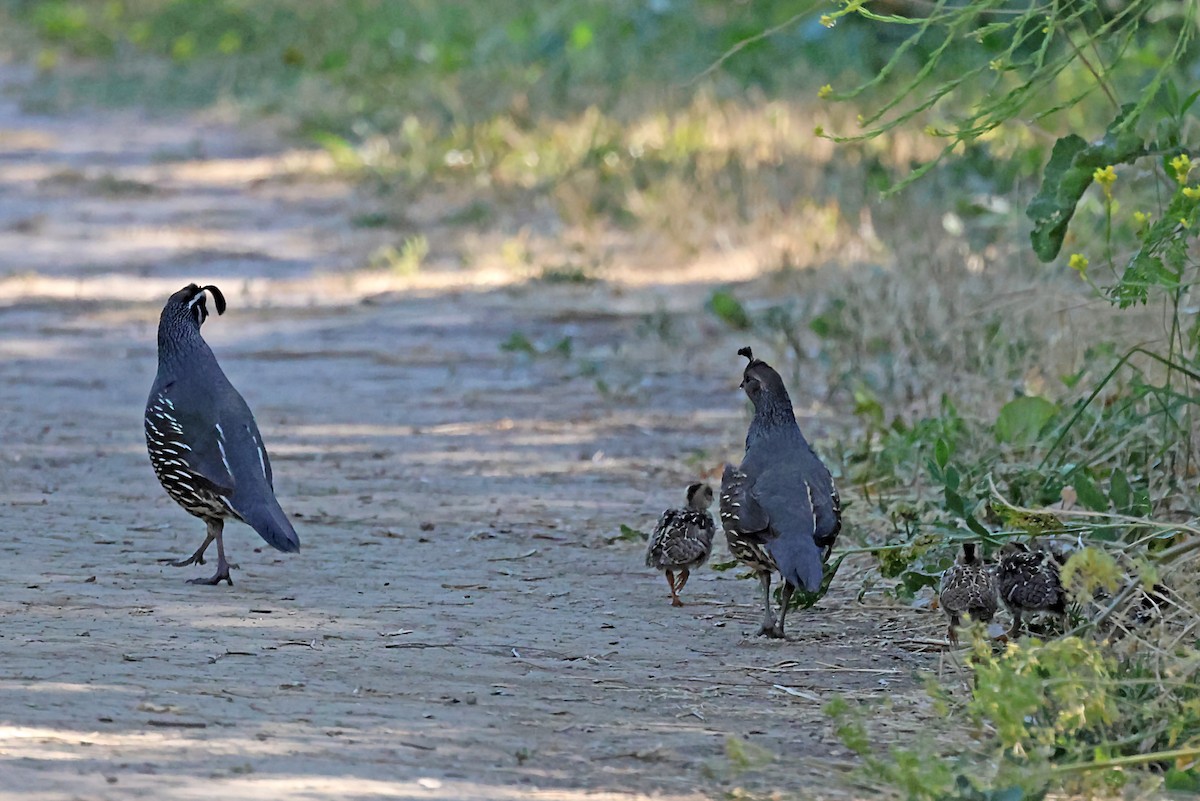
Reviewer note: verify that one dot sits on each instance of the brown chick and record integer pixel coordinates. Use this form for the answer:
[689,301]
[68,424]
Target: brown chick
[682,540]
[968,587]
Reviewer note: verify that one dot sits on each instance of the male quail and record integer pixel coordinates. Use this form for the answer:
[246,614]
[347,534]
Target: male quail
[682,540]
[968,587]
[1029,581]
[204,444]
[779,509]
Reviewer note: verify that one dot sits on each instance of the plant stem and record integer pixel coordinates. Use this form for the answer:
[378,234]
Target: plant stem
[1133,759]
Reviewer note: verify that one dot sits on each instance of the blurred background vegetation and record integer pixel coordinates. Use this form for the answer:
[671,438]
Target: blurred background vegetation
[1001,386]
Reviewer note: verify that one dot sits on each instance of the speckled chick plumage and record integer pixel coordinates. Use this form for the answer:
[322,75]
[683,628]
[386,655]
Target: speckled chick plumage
[968,588]
[682,540]
[1029,581]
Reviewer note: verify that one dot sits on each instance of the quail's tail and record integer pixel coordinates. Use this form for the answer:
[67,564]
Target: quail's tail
[798,559]
[269,520]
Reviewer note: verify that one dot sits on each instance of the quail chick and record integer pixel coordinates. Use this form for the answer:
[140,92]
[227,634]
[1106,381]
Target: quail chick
[1029,581]
[968,587]
[204,445]
[779,508]
[682,540]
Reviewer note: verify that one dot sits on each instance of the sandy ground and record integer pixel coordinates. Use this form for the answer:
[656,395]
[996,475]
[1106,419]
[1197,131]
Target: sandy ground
[462,621]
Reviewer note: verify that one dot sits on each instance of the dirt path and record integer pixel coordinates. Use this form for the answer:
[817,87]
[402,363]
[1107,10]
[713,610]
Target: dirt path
[461,622]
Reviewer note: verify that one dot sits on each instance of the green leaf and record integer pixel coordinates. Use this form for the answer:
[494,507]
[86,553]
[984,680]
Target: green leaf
[976,526]
[518,343]
[1068,175]
[803,599]
[953,479]
[721,567]
[1120,492]
[1089,494]
[729,310]
[630,533]
[941,453]
[1187,781]
[955,503]
[1022,420]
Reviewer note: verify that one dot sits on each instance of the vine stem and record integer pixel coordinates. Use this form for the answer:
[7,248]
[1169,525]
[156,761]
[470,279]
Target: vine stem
[1133,759]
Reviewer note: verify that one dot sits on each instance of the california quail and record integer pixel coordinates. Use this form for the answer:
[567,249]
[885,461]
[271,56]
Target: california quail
[968,587]
[779,509]
[1029,581]
[682,540]
[204,444]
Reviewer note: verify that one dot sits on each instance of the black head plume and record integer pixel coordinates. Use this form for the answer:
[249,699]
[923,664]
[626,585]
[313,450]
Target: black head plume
[193,300]
[758,376]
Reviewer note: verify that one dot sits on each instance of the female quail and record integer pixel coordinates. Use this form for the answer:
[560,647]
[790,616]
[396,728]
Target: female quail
[779,508]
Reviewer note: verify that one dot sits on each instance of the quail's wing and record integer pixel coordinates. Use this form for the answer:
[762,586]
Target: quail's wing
[185,432]
[740,510]
[657,541]
[786,499]
[691,540]
[826,503]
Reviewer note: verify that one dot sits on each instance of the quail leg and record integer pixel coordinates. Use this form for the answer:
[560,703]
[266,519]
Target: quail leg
[671,583]
[952,630]
[195,559]
[214,532]
[683,577]
[1015,630]
[785,600]
[767,629]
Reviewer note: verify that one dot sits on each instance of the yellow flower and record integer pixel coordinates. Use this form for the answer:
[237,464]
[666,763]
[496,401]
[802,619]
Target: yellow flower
[1191,192]
[996,65]
[1141,218]
[1078,263]
[1182,165]
[828,21]
[1105,176]
[825,91]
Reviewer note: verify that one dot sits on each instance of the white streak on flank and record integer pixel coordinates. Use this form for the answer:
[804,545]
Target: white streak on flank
[224,461]
[812,507]
[166,401]
[262,459]
[220,431]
